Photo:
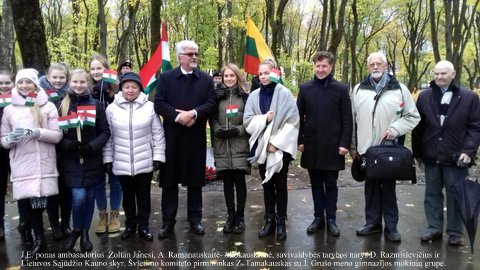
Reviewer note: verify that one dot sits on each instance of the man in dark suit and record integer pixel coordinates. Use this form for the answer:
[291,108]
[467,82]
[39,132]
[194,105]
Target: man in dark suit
[185,99]
[325,138]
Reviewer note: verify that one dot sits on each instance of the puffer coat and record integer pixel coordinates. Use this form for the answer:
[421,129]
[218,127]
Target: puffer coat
[230,153]
[137,136]
[32,161]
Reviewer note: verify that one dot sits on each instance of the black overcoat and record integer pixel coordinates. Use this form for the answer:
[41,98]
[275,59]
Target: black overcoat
[325,123]
[90,172]
[185,151]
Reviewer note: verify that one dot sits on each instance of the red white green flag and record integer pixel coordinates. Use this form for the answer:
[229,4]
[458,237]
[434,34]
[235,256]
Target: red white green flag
[69,121]
[232,110]
[161,56]
[5,100]
[91,109]
[52,94]
[86,119]
[31,99]
[110,76]
[275,75]
[256,49]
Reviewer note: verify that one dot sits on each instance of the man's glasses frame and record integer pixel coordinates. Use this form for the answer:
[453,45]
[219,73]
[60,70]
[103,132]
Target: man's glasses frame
[190,54]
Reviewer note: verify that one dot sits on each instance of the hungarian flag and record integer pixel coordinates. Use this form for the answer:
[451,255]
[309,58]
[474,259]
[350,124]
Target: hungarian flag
[256,49]
[69,121]
[110,76]
[274,75]
[87,109]
[5,100]
[161,55]
[232,110]
[52,94]
[31,99]
[86,119]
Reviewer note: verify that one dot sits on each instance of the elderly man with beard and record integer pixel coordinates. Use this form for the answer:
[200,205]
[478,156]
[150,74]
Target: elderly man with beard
[185,99]
[382,109]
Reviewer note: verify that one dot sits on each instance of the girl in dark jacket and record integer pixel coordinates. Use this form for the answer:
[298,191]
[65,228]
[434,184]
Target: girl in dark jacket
[230,144]
[82,160]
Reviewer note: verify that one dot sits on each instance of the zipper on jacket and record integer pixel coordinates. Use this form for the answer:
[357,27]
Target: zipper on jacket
[228,139]
[130,131]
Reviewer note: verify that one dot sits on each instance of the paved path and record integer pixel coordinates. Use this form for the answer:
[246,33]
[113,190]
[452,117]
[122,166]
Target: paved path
[216,250]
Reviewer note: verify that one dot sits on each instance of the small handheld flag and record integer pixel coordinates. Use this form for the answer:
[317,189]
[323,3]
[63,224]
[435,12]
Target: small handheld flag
[275,75]
[110,76]
[86,119]
[31,99]
[232,110]
[69,121]
[5,100]
[52,94]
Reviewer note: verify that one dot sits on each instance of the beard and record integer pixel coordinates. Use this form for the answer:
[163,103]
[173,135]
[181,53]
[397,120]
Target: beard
[377,75]
[193,64]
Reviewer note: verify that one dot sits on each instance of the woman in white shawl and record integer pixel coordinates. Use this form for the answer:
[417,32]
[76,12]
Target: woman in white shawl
[271,118]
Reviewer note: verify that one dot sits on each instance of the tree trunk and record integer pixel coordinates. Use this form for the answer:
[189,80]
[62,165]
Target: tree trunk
[220,7]
[434,31]
[353,43]
[337,28]
[155,25]
[30,30]
[126,34]
[6,37]
[102,28]
[324,27]
[230,49]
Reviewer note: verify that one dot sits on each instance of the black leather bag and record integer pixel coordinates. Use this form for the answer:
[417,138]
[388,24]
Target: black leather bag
[389,161]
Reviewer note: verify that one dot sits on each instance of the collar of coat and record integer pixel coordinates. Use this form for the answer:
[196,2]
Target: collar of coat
[393,84]
[327,80]
[178,72]
[222,91]
[452,87]
[19,100]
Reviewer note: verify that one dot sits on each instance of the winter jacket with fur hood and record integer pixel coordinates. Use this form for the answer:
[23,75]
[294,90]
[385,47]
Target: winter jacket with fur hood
[137,137]
[32,160]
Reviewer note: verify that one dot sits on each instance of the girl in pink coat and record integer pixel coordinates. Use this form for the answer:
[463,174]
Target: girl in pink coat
[30,130]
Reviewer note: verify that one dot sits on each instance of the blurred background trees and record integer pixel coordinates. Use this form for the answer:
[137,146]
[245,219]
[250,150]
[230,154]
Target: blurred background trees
[414,34]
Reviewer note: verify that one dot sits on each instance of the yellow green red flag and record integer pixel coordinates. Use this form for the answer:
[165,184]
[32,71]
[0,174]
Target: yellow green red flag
[256,49]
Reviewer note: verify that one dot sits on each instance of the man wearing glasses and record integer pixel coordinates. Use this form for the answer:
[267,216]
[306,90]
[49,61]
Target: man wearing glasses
[185,99]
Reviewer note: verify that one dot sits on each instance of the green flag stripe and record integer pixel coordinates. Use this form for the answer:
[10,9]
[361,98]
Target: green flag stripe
[251,47]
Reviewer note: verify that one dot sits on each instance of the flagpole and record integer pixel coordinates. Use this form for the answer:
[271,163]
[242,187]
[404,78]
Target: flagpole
[79,138]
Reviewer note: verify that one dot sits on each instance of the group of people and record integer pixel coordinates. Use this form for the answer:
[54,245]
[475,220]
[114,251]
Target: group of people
[127,142]
[63,135]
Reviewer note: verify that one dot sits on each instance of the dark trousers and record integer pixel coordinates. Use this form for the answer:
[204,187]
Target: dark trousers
[170,204]
[324,193]
[4,171]
[275,192]
[381,199]
[62,202]
[33,216]
[234,180]
[136,199]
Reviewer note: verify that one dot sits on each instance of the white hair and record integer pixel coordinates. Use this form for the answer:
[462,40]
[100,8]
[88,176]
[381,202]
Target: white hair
[377,54]
[445,64]
[185,44]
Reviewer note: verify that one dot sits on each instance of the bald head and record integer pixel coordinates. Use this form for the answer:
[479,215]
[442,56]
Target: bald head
[444,73]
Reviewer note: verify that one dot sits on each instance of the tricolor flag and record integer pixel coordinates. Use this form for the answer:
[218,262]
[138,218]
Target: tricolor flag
[5,100]
[256,49]
[52,94]
[91,109]
[86,119]
[69,121]
[31,99]
[232,110]
[275,75]
[110,76]
[161,55]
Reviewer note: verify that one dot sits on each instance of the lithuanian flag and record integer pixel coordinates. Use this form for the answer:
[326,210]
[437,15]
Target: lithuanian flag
[256,49]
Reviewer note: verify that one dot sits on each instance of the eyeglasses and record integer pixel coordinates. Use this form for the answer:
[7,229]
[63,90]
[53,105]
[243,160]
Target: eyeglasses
[190,54]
